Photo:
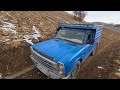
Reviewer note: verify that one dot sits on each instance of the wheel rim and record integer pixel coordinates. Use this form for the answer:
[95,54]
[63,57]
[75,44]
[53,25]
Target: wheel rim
[75,71]
[94,51]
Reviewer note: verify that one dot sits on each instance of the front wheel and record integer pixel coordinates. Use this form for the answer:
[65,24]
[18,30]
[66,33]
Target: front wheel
[75,70]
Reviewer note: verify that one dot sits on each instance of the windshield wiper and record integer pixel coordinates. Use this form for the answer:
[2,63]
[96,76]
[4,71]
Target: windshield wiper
[60,38]
[64,39]
[67,40]
[72,43]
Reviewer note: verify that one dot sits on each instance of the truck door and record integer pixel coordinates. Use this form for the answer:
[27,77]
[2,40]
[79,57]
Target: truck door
[89,46]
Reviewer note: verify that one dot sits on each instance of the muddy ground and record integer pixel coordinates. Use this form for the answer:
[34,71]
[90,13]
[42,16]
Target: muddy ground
[104,65]
[13,60]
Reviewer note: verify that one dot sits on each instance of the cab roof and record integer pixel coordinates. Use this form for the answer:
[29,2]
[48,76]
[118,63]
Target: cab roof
[81,26]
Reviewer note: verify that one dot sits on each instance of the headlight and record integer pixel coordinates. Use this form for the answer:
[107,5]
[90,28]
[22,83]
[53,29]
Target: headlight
[60,68]
[61,72]
[60,65]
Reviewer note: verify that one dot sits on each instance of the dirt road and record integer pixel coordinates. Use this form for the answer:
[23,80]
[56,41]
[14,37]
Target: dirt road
[104,65]
[113,27]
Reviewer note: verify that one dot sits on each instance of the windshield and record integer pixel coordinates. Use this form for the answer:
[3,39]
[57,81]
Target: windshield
[76,36]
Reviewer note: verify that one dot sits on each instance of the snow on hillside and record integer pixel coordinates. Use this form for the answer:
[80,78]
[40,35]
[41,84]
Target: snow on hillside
[35,35]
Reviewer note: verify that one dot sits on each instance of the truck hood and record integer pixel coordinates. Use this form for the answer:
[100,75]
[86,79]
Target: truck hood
[57,48]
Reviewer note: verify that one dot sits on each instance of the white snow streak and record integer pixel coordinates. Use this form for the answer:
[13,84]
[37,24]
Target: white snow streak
[8,26]
[119,70]
[99,67]
[6,40]
[35,35]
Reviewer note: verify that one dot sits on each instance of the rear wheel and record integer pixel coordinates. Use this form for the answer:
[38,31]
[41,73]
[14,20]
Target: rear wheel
[75,70]
[93,52]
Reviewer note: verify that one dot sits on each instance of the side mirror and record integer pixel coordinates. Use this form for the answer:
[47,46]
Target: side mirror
[91,41]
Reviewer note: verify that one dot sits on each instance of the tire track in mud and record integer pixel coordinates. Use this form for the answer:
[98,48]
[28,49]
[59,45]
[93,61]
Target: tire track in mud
[98,52]
[106,59]
[88,63]
[21,72]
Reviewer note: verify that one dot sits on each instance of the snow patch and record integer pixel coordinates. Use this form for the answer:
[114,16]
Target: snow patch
[119,70]
[6,40]
[9,29]
[8,26]
[99,67]
[35,35]
[28,40]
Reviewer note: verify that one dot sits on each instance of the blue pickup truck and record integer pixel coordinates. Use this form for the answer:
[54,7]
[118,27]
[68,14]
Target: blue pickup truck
[61,56]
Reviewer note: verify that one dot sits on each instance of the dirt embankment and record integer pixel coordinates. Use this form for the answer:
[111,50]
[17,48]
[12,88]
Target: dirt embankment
[14,59]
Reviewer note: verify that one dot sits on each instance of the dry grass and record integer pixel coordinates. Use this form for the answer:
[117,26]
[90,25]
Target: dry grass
[45,22]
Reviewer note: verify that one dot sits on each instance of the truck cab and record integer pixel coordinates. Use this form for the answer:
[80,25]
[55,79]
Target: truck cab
[61,56]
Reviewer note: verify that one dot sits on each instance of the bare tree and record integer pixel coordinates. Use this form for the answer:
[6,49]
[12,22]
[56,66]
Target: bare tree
[79,15]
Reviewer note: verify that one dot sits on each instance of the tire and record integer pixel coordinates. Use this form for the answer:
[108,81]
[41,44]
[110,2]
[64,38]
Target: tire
[94,51]
[98,43]
[75,70]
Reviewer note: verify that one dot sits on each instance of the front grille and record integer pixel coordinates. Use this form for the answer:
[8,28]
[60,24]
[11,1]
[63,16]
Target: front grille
[43,61]
[44,55]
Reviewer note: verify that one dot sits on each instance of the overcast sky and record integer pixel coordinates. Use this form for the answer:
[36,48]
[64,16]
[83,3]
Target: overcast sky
[103,16]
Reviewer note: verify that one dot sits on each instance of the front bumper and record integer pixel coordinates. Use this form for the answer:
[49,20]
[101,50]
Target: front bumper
[47,71]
